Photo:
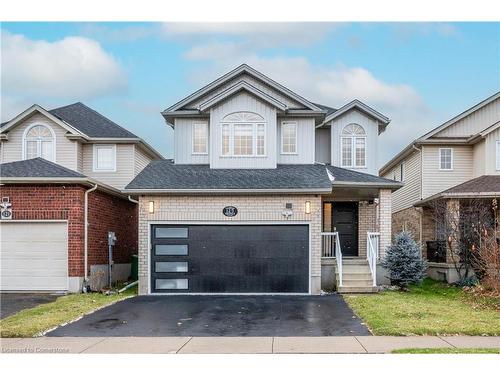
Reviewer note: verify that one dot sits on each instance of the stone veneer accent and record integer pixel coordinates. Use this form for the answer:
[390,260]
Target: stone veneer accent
[367,222]
[251,208]
[385,220]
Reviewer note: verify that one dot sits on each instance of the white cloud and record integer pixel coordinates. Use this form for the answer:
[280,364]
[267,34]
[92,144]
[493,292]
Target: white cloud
[73,67]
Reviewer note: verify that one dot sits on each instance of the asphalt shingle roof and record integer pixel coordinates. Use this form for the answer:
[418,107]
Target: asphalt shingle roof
[329,110]
[90,122]
[347,175]
[483,184]
[164,174]
[37,167]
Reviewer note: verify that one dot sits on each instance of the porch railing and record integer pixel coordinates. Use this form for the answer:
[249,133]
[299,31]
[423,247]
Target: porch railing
[372,253]
[330,243]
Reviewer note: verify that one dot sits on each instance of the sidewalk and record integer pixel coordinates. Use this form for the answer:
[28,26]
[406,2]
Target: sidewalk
[240,345]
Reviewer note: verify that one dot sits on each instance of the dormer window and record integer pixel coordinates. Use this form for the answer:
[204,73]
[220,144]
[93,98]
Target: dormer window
[243,134]
[353,146]
[39,141]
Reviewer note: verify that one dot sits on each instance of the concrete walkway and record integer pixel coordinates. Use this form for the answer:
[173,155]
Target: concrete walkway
[240,345]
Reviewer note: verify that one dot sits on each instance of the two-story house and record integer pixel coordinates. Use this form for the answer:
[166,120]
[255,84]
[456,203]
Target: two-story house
[268,192]
[62,173]
[452,164]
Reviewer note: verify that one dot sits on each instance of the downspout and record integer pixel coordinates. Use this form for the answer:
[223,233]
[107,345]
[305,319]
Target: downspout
[85,237]
[133,200]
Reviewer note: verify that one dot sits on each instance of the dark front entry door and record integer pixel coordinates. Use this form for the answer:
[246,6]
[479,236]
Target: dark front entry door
[230,259]
[345,222]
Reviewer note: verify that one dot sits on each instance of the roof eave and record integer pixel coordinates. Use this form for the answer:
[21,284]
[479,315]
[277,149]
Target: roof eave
[227,191]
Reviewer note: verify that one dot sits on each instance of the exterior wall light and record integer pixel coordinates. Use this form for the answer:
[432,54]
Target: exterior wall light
[308,207]
[151,207]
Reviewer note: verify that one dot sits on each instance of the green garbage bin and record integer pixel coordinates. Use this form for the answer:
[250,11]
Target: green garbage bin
[135,267]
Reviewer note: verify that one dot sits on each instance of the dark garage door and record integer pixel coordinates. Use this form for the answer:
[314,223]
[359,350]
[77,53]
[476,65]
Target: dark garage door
[230,259]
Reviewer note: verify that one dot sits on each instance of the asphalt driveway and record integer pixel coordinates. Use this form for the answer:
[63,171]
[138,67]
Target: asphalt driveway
[212,316]
[11,303]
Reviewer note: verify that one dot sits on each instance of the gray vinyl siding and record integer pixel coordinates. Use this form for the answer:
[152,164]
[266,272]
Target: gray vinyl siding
[371,129]
[183,142]
[474,123]
[124,166]
[436,180]
[490,152]
[305,141]
[291,103]
[248,103]
[410,193]
[141,160]
[323,153]
[79,156]
[479,159]
[65,149]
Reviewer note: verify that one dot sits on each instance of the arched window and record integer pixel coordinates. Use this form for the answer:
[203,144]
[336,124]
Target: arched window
[243,134]
[353,146]
[39,142]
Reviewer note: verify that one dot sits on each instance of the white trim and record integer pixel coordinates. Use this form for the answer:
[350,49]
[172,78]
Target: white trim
[296,127]
[222,222]
[95,146]
[360,105]
[451,159]
[498,155]
[193,125]
[53,140]
[227,191]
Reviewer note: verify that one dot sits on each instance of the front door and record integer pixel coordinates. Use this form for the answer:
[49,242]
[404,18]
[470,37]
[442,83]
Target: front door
[345,222]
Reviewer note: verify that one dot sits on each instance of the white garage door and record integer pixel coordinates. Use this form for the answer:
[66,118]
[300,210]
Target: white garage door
[34,256]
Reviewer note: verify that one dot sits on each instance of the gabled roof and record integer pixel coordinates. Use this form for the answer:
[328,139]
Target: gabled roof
[163,176]
[360,106]
[36,167]
[329,110]
[242,86]
[343,177]
[426,137]
[244,68]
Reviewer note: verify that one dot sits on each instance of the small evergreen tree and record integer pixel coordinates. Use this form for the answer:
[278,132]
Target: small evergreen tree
[404,261]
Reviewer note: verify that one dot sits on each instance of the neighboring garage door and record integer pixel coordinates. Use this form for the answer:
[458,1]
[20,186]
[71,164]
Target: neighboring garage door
[34,256]
[230,259]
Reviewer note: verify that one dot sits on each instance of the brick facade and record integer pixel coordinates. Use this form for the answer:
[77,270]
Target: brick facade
[251,208]
[409,219]
[367,222]
[67,202]
[385,219]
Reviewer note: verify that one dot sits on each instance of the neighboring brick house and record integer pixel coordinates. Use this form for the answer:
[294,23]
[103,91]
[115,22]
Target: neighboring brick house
[58,167]
[267,193]
[452,164]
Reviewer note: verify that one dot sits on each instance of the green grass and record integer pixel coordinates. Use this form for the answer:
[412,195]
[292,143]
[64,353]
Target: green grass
[432,308]
[34,321]
[448,351]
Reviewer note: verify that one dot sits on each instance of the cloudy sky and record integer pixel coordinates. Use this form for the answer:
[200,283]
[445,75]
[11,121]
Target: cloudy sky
[418,74]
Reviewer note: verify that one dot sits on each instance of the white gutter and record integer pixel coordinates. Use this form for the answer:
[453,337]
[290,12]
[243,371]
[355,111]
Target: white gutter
[133,200]
[85,238]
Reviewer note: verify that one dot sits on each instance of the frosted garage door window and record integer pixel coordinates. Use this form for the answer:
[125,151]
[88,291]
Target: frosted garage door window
[171,283]
[171,267]
[171,249]
[171,232]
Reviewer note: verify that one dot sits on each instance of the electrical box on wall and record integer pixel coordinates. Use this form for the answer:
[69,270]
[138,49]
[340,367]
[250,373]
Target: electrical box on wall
[5,209]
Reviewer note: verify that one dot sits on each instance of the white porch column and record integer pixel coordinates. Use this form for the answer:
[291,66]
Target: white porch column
[385,219]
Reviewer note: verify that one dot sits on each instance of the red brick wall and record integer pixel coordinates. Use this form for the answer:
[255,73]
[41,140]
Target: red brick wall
[66,202]
[110,213]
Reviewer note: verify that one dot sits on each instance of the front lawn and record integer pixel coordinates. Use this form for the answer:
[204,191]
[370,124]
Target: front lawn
[34,321]
[433,308]
[448,351]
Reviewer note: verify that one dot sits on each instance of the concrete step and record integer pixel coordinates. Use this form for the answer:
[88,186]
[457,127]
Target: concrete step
[357,289]
[355,276]
[364,283]
[354,269]
[354,261]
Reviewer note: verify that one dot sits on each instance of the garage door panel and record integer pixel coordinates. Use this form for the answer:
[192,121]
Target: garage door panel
[34,256]
[238,258]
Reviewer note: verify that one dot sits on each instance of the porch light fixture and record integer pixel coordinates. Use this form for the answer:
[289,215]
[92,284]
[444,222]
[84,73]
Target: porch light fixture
[151,207]
[308,207]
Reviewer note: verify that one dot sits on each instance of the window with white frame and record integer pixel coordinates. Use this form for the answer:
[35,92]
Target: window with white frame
[445,159]
[288,137]
[498,155]
[39,142]
[402,171]
[243,134]
[353,146]
[104,158]
[200,138]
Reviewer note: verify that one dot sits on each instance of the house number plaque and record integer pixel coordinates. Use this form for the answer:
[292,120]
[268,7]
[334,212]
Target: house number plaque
[230,211]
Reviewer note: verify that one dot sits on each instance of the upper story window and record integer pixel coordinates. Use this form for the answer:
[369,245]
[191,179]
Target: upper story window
[104,158]
[243,134]
[288,137]
[353,146]
[39,141]
[402,171]
[200,138]
[446,159]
